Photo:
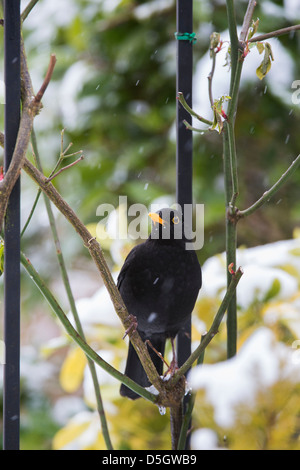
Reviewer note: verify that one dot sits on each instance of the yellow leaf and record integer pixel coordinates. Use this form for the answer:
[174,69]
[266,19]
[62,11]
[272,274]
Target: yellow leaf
[265,66]
[263,69]
[68,434]
[71,373]
[260,47]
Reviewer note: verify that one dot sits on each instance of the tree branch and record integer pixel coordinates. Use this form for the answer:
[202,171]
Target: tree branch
[28,9]
[31,107]
[233,40]
[247,20]
[270,193]
[183,102]
[273,34]
[96,253]
[47,79]
[50,178]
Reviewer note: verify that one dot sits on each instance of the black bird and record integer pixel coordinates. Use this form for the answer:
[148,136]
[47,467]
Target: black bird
[159,283]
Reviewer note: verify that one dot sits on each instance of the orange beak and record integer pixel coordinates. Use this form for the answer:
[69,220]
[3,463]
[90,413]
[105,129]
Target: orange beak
[156,218]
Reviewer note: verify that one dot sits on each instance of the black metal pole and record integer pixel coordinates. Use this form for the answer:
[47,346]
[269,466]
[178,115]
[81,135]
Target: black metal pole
[11,382]
[184,154]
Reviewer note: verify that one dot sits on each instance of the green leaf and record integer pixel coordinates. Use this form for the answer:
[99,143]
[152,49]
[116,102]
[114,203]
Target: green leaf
[265,66]
[253,29]
[219,114]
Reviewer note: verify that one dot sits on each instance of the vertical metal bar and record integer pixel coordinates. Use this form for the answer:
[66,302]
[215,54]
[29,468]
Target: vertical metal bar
[11,392]
[184,150]
[184,154]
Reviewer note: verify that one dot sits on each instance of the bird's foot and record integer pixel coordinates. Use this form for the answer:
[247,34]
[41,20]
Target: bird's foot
[148,342]
[132,327]
[173,367]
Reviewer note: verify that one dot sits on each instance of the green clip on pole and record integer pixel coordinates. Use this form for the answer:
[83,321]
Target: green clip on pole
[191,37]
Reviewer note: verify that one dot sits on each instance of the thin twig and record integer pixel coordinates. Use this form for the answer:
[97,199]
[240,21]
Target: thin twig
[247,20]
[183,102]
[210,76]
[31,108]
[39,192]
[65,168]
[28,9]
[273,34]
[62,155]
[191,128]
[47,79]
[270,193]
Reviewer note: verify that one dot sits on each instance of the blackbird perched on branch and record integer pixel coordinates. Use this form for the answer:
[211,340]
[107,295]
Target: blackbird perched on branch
[159,283]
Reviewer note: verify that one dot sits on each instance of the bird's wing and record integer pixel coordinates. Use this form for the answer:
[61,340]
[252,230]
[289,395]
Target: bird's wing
[130,257]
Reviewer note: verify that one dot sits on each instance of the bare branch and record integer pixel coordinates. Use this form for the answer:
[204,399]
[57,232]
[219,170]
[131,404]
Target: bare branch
[47,79]
[65,168]
[273,34]
[273,190]
[247,20]
[28,9]
[31,107]
[183,102]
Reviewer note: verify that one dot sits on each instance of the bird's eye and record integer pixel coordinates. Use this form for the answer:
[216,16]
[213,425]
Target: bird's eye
[175,220]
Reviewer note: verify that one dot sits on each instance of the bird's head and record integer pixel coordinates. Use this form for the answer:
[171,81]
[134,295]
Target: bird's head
[167,224]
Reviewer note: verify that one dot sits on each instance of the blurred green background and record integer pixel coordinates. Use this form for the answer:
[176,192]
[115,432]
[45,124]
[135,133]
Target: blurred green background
[113,91]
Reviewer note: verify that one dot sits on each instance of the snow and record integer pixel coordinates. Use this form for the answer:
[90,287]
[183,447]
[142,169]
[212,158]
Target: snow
[97,310]
[204,439]
[261,362]
[262,266]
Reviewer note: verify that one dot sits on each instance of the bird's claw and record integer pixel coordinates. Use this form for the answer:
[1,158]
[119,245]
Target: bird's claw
[173,367]
[132,327]
[148,342]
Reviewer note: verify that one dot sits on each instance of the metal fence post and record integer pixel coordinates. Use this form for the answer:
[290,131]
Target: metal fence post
[184,137]
[11,383]
[184,150]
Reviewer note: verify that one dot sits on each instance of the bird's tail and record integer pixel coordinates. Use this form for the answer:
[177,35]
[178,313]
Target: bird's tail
[135,371]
